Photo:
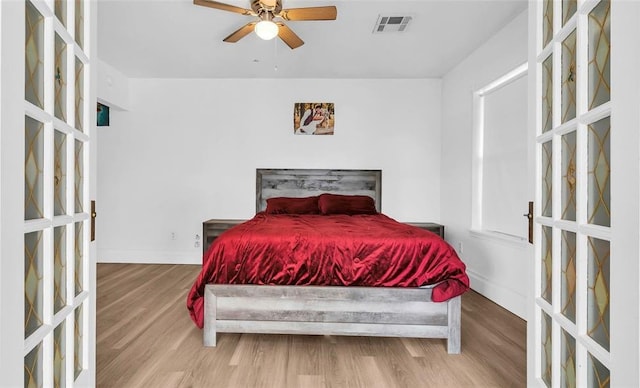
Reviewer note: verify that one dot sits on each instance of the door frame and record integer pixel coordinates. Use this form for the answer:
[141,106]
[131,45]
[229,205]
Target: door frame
[11,193]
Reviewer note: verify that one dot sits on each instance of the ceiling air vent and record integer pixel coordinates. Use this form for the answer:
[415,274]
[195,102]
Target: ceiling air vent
[391,24]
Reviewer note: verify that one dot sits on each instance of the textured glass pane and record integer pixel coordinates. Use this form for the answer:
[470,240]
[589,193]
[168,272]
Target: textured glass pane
[33,166]
[547,93]
[569,8]
[34,54]
[61,11]
[77,340]
[79,94]
[546,349]
[80,23]
[599,182]
[568,360]
[569,176]
[569,77]
[568,287]
[599,54]
[598,375]
[60,174]
[32,282]
[60,80]
[547,179]
[547,22]
[33,368]
[79,177]
[59,268]
[547,263]
[59,355]
[79,256]
[598,291]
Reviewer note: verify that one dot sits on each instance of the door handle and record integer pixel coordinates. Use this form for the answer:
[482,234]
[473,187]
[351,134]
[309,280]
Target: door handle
[529,216]
[93,220]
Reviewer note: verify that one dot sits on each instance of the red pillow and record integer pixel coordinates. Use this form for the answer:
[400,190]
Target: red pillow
[346,204]
[288,205]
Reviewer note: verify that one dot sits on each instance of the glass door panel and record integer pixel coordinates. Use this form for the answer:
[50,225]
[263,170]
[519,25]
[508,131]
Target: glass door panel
[59,355]
[34,56]
[547,264]
[547,179]
[33,169]
[569,179]
[79,259]
[60,174]
[33,375]
[33,299]
[598,294]
[569,8]
[568,279]
[547,90]
[547,348]
[569,77]
[60,79]
[599,185]
[79,94]
[56,256]
[574,193]
[599,53]
[568,361]
[59,268]
[547,22]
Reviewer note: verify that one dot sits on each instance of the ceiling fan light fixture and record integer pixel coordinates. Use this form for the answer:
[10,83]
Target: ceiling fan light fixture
[266,29]
[264,11]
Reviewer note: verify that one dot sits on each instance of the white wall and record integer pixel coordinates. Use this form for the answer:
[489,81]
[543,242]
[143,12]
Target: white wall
[187,151]
[498,269]
[112,86]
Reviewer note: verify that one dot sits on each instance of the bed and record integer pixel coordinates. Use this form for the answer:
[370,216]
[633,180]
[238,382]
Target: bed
[345,269]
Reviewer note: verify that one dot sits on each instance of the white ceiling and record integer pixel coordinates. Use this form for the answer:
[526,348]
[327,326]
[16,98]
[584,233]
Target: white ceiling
[177,39]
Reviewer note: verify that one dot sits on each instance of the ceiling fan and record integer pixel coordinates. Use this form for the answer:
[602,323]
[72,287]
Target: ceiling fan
[268,25]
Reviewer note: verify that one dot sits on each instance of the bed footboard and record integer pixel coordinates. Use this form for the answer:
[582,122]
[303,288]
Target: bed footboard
[357,311]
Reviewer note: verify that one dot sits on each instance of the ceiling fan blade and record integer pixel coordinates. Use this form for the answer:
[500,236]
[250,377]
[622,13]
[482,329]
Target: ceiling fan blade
[310,13]
[224,7]
[240,33]
[289,37]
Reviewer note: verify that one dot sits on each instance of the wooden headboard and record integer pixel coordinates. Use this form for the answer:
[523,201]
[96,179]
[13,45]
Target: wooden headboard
[307,182]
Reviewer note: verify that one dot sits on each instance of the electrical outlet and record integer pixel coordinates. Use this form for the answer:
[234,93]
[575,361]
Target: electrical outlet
[196,244]
[173,235]
[460,247]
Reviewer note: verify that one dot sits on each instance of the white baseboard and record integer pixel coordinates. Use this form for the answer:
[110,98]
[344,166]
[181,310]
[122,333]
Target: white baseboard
[509,299]
[148,257]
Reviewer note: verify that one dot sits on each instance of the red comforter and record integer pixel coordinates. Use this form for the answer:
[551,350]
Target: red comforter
[336,250]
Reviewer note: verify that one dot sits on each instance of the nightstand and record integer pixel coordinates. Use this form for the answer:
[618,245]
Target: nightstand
[213,228]
[430,226]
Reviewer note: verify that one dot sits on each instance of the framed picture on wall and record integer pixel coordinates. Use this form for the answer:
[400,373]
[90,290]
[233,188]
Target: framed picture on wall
[313,118]
[103,115]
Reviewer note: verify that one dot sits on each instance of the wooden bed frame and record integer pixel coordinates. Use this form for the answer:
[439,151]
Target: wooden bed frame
[321,310]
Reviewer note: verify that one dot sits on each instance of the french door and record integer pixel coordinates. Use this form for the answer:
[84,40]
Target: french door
[583,329]
[48,272]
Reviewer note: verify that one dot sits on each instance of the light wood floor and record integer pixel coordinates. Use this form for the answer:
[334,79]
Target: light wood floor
[146,339]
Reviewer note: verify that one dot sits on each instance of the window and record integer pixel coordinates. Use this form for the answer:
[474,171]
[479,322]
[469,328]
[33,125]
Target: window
[501,162]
